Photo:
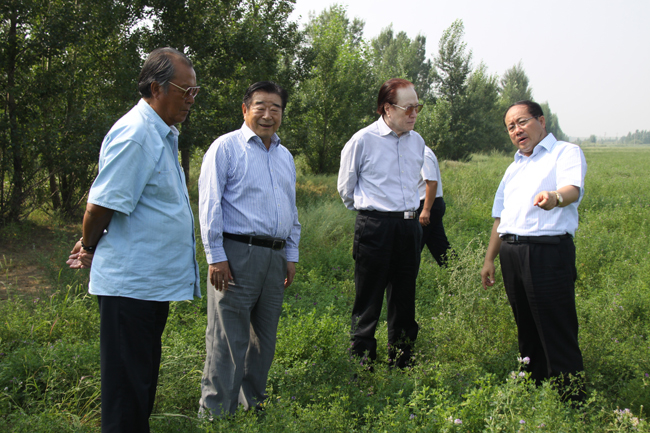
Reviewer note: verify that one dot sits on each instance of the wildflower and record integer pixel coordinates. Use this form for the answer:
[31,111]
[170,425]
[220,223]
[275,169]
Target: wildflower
[458,421]
[521,421]
[412,416]
[525,360]
[522,374]
[542,425]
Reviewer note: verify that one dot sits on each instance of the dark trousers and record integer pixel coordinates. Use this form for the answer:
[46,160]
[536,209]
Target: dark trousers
[433,235]
[387,258]
[130,349]
[539,281]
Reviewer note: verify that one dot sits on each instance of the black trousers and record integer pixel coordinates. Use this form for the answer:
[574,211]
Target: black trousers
[539,281]
[130,350]
[433,235]
[387,258]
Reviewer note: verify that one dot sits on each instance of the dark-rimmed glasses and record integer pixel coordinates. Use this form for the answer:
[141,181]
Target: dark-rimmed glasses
[520,123]
[190,91]
[409,110]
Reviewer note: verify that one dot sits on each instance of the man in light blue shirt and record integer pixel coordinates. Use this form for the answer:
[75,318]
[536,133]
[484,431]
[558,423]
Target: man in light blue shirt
[250,232]
[535,218]
[138,239]
[378,177]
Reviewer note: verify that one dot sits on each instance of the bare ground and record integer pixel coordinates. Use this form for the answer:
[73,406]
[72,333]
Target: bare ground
[24,254]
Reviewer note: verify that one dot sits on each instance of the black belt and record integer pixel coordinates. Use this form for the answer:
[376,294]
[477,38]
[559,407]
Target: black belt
[534,239]
[406,215]
[258,241]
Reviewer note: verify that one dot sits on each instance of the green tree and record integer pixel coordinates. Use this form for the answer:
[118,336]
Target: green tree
[447,125]
[336,96]
[552,123]
[515,86]
[398,56]
[63,71]
[232,44]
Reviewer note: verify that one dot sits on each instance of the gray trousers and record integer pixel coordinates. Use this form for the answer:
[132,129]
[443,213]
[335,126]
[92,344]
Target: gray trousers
[242,328]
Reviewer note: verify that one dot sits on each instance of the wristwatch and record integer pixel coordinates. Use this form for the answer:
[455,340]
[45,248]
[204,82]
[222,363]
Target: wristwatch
[559,198]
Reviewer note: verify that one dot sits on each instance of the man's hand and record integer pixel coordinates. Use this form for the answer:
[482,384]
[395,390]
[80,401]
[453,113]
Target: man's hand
[425,217]
[291,272]
[79,258]
[546,200]
[487,274]
[220,275]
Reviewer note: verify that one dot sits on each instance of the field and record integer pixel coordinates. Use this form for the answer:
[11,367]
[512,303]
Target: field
[465,377]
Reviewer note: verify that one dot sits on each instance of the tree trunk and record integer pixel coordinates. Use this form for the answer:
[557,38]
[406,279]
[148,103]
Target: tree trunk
[16,195]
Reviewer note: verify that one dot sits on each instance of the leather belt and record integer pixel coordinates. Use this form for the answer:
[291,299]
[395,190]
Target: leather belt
[406,215]
[534,239]
[259,241]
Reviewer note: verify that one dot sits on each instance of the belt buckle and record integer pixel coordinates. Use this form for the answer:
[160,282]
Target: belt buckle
[277,244]
[409,215]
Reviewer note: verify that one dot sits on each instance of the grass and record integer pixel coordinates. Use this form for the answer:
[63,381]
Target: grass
[466,373]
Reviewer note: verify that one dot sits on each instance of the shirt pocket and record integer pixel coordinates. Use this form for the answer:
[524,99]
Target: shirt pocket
[163,186]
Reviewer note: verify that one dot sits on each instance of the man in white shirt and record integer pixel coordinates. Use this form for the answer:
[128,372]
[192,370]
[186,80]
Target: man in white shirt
[379,175]
[536,216]
[432,209]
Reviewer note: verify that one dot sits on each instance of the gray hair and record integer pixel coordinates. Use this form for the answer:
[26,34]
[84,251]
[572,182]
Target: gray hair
[159,68]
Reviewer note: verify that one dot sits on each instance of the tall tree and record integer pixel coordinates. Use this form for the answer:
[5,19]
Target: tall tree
[398,56]
[335,98]
[552,122]
[447,124]
[515,86]
[63,71]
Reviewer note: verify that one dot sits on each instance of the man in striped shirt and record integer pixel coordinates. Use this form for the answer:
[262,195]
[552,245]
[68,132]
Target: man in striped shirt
[536,217]
[250,232]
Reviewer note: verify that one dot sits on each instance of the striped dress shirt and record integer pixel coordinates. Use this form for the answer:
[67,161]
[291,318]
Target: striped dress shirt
[552,165]
[246,189]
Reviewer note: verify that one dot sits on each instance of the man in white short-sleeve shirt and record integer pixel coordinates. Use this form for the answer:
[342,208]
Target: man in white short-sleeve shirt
[536,217]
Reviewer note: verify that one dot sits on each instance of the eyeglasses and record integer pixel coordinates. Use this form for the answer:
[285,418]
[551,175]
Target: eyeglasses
[409,110]
[190,91]
[521,123]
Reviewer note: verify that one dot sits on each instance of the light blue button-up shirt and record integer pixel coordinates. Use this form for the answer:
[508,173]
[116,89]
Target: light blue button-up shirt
[552,165]
[245,189]
[149,251]
[381,171]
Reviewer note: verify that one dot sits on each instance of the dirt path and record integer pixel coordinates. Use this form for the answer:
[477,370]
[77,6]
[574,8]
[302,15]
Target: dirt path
[24,252]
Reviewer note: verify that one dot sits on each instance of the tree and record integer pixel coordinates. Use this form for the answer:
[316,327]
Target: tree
[63,71]
[397,56]
[552,123]
[233,43]
[447,124]
[514,86]
[335,98]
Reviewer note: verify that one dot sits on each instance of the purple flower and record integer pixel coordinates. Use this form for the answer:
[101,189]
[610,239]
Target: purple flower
[521,421]
[412,416]
[458,421]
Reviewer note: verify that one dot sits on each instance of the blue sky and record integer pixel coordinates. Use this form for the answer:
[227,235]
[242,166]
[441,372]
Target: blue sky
[589,59]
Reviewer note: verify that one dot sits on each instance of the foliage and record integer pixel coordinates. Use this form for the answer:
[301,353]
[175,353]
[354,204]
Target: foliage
[466,376]
[398,56]
[515,86]
[334,99]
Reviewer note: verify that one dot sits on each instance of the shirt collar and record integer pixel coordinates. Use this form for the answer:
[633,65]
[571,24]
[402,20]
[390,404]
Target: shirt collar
[548,143]
[384,129]
[161,127]
[248,134]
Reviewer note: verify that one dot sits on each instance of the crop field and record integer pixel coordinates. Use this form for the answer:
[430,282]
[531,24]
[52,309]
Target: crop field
[465,376]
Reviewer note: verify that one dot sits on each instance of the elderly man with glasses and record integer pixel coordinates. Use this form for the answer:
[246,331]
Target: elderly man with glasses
[378,177]
[138,239]
[535,215]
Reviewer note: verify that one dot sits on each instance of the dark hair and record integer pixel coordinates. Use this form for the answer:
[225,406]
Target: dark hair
[267,87]
[159,68]
[388,92]
[534,109]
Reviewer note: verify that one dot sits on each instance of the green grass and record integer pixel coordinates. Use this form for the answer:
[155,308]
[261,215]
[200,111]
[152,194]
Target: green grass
[465,377]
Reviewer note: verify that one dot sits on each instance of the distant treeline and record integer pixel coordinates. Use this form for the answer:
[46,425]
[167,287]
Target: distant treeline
[69,68]
[632,138]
